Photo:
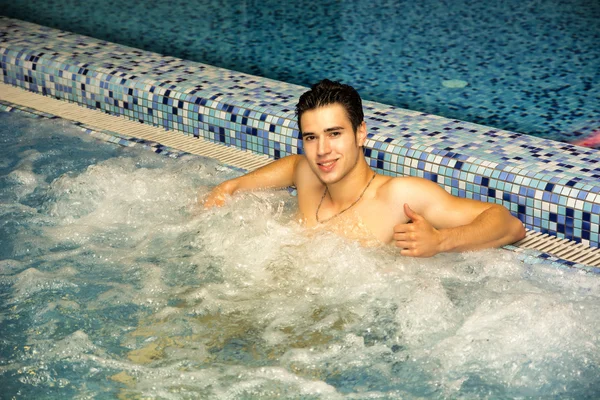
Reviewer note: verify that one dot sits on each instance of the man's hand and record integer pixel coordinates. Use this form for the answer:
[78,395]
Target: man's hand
[417,239]
[278,174]
[218,195]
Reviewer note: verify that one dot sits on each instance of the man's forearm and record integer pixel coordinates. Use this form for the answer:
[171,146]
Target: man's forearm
[494,227]
[278,174]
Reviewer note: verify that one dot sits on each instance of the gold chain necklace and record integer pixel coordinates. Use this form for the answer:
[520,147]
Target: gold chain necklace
[345,209]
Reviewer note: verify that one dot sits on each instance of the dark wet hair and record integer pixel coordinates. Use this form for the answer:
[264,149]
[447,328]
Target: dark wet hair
[327,92]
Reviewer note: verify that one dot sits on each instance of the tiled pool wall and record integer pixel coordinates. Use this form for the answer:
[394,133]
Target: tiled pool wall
[552,187]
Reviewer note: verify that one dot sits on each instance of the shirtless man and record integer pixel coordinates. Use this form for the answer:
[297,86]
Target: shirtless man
[336,185]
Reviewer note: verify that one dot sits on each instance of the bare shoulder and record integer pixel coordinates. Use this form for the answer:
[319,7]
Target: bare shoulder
[409,187]
[420,194]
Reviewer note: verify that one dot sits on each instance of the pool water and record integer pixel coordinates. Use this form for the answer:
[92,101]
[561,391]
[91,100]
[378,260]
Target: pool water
[115,284]
[525,66]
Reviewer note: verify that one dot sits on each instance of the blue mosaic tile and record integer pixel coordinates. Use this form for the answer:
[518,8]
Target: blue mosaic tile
[547,89]
[528,175]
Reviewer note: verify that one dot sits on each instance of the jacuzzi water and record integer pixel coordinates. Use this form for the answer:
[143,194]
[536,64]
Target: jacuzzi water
[115,284]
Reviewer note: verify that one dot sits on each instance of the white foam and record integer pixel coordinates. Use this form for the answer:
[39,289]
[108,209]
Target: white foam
[243,301]
[29,282]
[22,178]
[9,267]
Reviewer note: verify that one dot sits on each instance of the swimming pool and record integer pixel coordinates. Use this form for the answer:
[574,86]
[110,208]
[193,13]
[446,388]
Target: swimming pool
[529,67]
[551,186]
[127,335]
[114,285]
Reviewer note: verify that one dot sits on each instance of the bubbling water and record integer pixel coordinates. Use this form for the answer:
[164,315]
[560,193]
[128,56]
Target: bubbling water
[119,284]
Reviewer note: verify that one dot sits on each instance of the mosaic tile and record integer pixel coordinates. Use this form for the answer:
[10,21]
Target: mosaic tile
[523,173]
[528,256]
[529,69]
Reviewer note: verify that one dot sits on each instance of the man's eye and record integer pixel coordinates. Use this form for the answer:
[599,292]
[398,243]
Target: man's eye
[308,138]
[335,133]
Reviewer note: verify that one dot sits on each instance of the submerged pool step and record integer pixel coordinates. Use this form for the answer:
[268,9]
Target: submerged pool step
[71,111]
[562,248]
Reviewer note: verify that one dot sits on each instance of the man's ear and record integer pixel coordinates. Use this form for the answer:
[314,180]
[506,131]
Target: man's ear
[361,134]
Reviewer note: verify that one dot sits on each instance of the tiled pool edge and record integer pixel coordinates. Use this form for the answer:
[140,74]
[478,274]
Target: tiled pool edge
[552,187]
[101,134]
[125,131]
[528,256]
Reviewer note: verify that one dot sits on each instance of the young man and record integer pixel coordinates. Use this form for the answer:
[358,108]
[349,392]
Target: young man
[337,188]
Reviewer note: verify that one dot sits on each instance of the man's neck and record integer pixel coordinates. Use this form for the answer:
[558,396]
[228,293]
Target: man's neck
[347,190]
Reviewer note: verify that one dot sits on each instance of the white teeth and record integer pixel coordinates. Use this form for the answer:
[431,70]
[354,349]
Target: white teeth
[326,164]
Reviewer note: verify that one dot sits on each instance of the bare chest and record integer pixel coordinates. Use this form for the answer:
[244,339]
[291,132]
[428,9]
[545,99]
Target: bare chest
[368,222]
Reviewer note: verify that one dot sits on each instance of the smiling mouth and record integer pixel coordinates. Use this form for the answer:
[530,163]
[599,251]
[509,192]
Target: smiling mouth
[326,165]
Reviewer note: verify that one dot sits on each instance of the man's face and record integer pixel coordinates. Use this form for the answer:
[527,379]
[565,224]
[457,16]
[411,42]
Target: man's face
[330,144]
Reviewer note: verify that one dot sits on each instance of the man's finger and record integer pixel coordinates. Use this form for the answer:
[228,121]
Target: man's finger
[406,236]
[404,244]
[409,253]
[413,253]
[214,201]
[410,213]
[402,228]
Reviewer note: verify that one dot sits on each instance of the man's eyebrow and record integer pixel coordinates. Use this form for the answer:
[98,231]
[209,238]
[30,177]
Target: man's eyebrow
[332,129]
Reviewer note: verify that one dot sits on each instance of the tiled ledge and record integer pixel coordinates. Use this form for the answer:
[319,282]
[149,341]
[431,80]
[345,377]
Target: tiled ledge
[527,254]
[552,187]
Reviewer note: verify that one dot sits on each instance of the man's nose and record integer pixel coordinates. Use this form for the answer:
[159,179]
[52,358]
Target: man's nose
[323,147]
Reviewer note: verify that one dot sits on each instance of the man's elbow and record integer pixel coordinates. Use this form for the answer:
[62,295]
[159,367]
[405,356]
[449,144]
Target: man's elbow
[513,227]
[517,230]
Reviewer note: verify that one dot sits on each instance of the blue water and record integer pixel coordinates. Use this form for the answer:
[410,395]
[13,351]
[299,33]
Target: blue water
[529,66]
[114,284]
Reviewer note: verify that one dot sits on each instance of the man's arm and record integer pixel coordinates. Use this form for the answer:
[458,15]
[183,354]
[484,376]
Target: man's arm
[441,222]
[278,174]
